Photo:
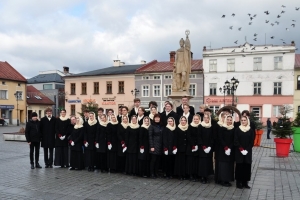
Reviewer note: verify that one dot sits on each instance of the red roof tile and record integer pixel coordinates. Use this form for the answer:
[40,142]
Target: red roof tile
[166,66]
[7,72]
[297,61]
[36,97]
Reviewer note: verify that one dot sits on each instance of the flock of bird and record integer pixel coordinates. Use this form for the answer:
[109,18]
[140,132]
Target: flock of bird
[252,18]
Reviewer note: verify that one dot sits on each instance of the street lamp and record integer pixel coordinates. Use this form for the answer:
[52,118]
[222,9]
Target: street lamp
[230,87]
[18,96]
[135,92]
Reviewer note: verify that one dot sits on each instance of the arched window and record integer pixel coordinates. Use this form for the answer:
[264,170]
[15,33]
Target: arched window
[298,83]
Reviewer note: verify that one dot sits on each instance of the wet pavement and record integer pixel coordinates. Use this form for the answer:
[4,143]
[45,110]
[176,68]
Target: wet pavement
[272,178]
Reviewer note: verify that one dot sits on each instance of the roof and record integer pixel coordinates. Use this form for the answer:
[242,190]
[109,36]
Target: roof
[297,61]
[7,72]
[167,66]
[34,96]
[124,69]
[46,78]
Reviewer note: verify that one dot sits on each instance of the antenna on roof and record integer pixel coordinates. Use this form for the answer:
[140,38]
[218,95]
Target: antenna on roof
[265,38]
[246,39]
[209,45]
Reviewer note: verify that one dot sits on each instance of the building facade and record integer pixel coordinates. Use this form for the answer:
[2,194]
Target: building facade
[12,109]
[52,85]
[108,88]
[154,82]
[297,85]
[265,74]
[37,102]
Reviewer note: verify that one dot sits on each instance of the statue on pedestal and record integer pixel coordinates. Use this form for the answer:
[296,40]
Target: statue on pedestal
[182,65]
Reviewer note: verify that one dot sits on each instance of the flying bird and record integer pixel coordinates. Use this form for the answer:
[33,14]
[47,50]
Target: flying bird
[272,37]
[277,22]
[283,42]
[230,27]
[282,12]
[249,14]
[283,53]
[287,29]
[278,16]
[266,48]
[281,39]
[255,39]
[283,6]
[251,18]
[272,24]
[250,23]
[233,50]
[240,28]
[251,45]
[236,42]
[233,15]
[253,48]
[294,20]
[293,25]
[267,21]
[223,16]
[243,50]
[254,15]
[255,34]
[267,12]
[297,8]
[243,55]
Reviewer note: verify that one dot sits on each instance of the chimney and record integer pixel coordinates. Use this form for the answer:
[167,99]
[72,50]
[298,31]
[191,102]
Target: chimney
[293,43]
[66,69]
[192,55]
[122,63]
[172,56]
[116,63]
[143,62]
[204,48]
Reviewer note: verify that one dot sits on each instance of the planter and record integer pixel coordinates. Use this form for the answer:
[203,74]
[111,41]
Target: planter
[296,138]
[258,134]
[14,137]
[282,146]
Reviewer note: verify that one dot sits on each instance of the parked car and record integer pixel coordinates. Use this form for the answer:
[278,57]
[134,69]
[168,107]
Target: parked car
[3,122]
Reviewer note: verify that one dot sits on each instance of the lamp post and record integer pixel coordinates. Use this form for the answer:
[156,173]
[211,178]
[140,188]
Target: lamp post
[135,92]
[18,95]
[230,87]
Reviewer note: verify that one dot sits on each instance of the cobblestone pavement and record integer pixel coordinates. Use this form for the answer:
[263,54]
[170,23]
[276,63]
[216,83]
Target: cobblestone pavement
[272,178]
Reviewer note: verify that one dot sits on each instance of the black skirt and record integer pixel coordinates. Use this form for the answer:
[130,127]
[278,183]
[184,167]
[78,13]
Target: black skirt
[225,171]
[131,163]
[112,160]
[180,164]
[121,160]
[243,172]
[169,162]
[144,167]
[89,157]
[205,167]
[61,156]
[101,161]
[192,165]
[76,160]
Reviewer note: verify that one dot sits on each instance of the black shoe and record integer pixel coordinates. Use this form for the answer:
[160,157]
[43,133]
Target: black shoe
[204,180]
[38,165]
[46,166]
[152,176]
[245,185]
[71,168]
[239,185]
[50,166]
[32,166]
[226,184]
[67,166]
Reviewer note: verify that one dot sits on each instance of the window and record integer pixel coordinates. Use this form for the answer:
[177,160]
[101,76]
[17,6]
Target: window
[298,108]
[213,65]
[156,77]
[278,62]
[230,65]
[108,87]
[96,87]
[192,89]
[145,90]
[83,88]
[256,110]
[276,111]
[19,84]
[214,109]
[3,82]
[20,95]
[256,88]
[298,83]
[156,90]
[257,64]
[72,109]
[47,87]
[168,76]
[212,89]
[121,87]
[277,88]
[73,88]
[168,90]
[3,94]
[145,78]
[192,75]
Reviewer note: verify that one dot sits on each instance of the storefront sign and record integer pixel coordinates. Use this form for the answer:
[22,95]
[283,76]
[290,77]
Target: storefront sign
[210,100]
[7,106]
[74,101]
[108,103]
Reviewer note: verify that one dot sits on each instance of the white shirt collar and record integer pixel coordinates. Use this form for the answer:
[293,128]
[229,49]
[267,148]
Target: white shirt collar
[139,118]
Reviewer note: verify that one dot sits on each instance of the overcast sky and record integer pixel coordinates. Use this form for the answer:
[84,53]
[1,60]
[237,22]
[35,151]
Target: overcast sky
[40,35]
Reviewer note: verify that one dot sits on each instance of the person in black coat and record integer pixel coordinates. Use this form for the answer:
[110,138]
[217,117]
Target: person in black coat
[168,113]
[153,111]
[89,141]
[192,154]
[135,109]
[33,137]
[101,144]
[155,144]
[205,144]
[131,146]
[225,154]
[201,111]
[143,155]
[187,114]
[184,101]
[121,144]
[243,142]
[76,141]
[112,143]
[169,139]
[269,128]
[48,137]
[141,115]
[61,140]
[119,116]
[180,148]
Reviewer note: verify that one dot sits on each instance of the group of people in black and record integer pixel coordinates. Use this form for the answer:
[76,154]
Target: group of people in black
[144,143]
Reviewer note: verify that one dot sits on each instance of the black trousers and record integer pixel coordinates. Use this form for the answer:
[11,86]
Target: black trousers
[34,146]
[154,164]
[268,133]
[242,172]
[48,160]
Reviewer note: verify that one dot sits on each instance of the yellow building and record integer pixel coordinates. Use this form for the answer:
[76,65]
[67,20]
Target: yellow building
[297,85]
[12,94]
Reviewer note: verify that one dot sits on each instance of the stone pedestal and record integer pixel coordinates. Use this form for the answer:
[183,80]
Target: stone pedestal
[175,97]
